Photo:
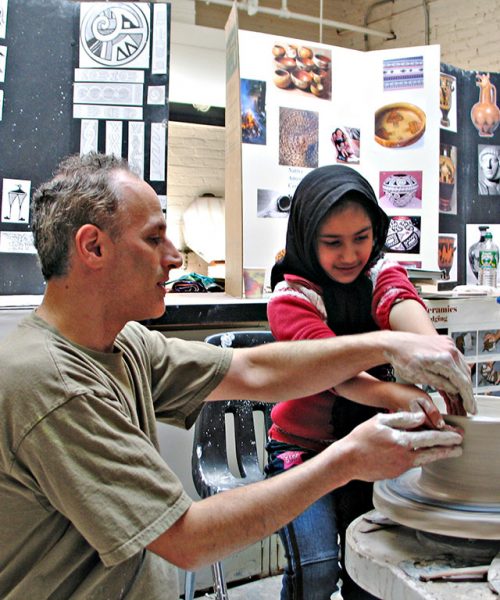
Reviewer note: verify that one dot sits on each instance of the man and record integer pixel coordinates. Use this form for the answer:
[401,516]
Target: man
[489,170]
[88,508]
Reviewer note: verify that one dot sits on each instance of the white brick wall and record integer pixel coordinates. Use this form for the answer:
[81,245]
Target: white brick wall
[195,167]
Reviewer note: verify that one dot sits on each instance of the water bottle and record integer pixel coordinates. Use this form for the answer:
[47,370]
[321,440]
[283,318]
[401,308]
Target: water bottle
[488,261]
[474,251]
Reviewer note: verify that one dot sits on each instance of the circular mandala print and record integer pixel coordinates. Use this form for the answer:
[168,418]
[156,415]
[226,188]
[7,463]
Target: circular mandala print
[116,35]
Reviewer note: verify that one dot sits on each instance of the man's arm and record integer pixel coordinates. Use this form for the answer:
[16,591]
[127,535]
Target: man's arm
[222,524]
[284,370]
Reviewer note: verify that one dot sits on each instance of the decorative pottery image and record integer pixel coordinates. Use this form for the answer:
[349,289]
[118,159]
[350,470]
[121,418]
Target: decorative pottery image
[447,174]
[309,70]
[485,114]
[446,253]
[400,189]
[398,125]
[403,234]
[282,78]
[446,89]
[301,79]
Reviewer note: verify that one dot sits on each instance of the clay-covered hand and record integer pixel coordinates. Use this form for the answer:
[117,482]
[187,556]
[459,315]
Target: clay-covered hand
[405,397]
[434,360]
[390,444]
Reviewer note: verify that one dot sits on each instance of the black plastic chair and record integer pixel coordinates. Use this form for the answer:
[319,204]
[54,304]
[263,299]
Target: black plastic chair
[210,462]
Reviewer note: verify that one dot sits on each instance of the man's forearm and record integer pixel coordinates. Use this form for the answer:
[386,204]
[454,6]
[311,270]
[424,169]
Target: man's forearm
[285,370]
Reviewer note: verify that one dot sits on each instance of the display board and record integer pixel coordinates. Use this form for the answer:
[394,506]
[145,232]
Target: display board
[474,325]
[469,166]
[304,105]
[74,78]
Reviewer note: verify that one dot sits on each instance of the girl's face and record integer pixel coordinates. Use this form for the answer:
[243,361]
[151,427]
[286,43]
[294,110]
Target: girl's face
[345,242]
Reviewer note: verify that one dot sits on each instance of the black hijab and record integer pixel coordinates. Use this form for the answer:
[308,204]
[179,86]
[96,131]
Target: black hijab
[348,306]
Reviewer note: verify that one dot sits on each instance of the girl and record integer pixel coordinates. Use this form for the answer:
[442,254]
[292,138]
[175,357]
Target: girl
[334,280]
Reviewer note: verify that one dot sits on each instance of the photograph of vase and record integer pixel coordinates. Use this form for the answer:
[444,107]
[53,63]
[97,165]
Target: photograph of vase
[485,114]
[447,177]
[404,234]
[446,89]
[398,189]
[446,253]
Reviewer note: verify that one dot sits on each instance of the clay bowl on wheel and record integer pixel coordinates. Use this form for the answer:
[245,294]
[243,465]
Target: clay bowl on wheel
[301,79]
[474,476]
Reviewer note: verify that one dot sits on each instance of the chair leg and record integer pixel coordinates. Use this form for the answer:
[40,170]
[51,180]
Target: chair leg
[189,585]
[220,588]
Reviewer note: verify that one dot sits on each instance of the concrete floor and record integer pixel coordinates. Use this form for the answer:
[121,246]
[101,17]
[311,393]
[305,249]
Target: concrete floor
[268,588]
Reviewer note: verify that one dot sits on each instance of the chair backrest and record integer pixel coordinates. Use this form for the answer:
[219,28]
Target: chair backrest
[210,466]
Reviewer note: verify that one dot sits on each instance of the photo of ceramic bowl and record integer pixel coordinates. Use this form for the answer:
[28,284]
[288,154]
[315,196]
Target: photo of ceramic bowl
[304,52]
[398,125]
[322,61]
[319,75]
[306,64]
[318,89]
[400,188]
[301,79]
[282,78]
[285,62]
[278,50]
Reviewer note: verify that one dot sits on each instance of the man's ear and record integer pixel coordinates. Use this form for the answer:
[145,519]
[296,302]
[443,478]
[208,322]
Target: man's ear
[88,245]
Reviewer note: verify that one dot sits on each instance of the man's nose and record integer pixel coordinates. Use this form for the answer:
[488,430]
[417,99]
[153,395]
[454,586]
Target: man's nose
[172,258]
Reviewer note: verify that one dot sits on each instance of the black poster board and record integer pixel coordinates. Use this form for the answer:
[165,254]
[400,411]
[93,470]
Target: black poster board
[39,125]
[470,205]
[37,128]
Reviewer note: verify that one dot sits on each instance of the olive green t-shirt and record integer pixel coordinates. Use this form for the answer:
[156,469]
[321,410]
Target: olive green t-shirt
[83,488]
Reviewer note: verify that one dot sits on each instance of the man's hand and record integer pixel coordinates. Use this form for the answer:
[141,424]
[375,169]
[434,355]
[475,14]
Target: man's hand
[434,360]
[389,444]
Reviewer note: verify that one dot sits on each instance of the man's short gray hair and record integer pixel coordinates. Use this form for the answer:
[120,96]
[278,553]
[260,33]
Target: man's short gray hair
[82,191]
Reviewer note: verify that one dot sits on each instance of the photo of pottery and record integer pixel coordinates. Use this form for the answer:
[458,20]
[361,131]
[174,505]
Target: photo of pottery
[447,104]
[447,179]
[489,373]
[488,172]
[485,114]
[488,341]
[298,138]
[465,341]
[403,73]
[303,69]
[447,245]
[346,142]
[253,111]
[404,235]
[272,204]
[398,125]
[400,189]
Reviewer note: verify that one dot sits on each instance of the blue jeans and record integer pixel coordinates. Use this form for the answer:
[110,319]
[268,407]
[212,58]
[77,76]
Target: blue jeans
[314,541]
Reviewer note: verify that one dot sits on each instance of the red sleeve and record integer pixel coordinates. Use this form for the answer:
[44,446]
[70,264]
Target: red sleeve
[391,285]
[293,318]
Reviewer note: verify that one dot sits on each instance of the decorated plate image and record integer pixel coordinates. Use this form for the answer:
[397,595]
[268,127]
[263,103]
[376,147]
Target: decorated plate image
[398,125]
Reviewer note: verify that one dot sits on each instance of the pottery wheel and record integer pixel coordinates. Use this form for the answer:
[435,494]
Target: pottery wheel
[402,500]
[457,497]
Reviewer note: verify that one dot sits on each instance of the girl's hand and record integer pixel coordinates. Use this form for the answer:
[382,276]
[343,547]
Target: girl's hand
[403,397]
